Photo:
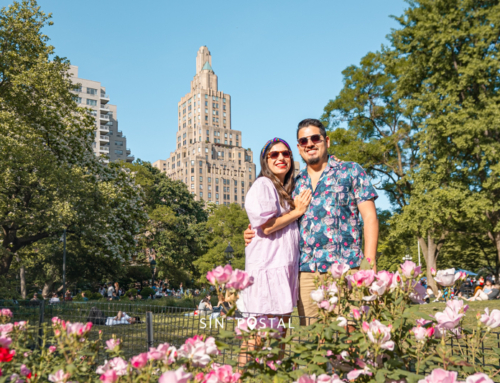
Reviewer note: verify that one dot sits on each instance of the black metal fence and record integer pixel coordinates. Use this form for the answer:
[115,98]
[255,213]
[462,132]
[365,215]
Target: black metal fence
[160,324]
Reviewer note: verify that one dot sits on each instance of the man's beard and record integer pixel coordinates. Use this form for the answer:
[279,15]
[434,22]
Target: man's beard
[313,161]
[316,160]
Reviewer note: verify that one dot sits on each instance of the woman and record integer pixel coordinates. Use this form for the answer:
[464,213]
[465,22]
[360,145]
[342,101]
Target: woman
[485,293]
[272,258]
[205,306]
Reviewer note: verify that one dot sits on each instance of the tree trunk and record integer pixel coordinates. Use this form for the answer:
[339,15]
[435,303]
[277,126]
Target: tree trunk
[430,250]
[22,277]
[497,245]
[46,288]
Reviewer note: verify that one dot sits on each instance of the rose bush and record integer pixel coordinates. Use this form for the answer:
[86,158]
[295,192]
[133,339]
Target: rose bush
[368,330]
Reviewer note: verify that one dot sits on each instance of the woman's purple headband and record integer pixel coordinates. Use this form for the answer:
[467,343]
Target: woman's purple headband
[275,139]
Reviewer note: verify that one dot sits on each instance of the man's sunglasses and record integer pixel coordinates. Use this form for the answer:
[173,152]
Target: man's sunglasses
[275,155]
[315,139]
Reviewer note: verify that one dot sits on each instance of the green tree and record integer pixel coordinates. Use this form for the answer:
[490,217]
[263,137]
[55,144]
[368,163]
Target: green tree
[226,225]
[451,78]
[51,178]
[380,131]
[175,231]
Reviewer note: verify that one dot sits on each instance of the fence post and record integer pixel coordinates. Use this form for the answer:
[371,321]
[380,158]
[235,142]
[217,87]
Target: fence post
[149,328]
[41,318]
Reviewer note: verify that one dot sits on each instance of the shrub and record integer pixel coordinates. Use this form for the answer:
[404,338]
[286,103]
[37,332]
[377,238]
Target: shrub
[146,292]
[132,292]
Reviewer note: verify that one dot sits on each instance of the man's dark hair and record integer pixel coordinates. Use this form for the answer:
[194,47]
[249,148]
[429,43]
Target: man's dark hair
[312,122]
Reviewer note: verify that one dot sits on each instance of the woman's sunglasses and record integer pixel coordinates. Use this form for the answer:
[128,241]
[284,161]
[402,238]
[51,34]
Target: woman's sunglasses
[315,139]
[275,155]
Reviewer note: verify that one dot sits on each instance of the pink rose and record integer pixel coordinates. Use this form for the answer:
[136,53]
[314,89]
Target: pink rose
[177,376]
[222,274]
[109,376]
[396,281]
[139,361]
[240,280]
[25,371]
[211,277]
[380,334]
[222,374]
[363,278]
[59,377]
[112,343]
[355,374]
[451,316]
[440,376]
[479,377]
[339,269]
[420,333]
[491,320]
[5,341]
[6,329]
[433,271]
[21,325]
[356,314]
[410,270]
[118,365]
[52,349]
[6,313]
[447,278]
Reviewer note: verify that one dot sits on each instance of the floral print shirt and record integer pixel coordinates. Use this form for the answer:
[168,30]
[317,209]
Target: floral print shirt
[330,230]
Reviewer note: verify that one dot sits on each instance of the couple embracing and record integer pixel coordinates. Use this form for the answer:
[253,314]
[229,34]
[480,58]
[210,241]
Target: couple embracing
[300,226]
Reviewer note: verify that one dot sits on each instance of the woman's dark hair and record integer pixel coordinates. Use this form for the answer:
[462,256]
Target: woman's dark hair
[284,191]
[312,122]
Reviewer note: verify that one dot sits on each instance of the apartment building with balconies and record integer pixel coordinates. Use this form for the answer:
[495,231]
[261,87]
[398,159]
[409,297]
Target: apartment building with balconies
[109,141]
[209,156]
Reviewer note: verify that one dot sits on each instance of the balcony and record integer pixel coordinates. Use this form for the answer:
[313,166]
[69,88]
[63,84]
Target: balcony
[104,98]
[104,108]
[104,149]
[104,118]
[130,158]
[128,151]
[103,129]
[104,138]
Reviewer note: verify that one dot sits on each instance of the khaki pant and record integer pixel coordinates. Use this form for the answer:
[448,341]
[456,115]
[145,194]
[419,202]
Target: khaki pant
[308,309]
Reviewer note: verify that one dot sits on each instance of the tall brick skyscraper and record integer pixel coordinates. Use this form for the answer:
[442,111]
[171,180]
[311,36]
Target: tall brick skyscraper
[209,157]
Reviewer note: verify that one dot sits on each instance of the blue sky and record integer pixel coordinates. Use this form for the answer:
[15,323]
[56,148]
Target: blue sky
[281,61]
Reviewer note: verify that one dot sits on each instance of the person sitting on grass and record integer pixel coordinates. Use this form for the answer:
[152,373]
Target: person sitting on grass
[488,292]
[84,297]
[120,318]
[205,305]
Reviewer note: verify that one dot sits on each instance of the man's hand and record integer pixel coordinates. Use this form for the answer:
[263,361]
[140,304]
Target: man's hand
[248,234]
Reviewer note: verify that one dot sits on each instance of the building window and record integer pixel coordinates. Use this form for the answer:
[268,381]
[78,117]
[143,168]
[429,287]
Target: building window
[119,143]
[242,184]
[91,102]
[119,152]
[209,179]
[201,194]
[217,197]
[249,176]
[91,91]
[209,195]
[192,163]
[201,187]
[192,178]
[216,180]
[192,186]
[192,170]
[201,179]
[216,188]
[209,187]
[78,100]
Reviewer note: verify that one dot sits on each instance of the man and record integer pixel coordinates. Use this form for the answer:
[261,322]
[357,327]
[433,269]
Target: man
[111,290]
[330,230]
